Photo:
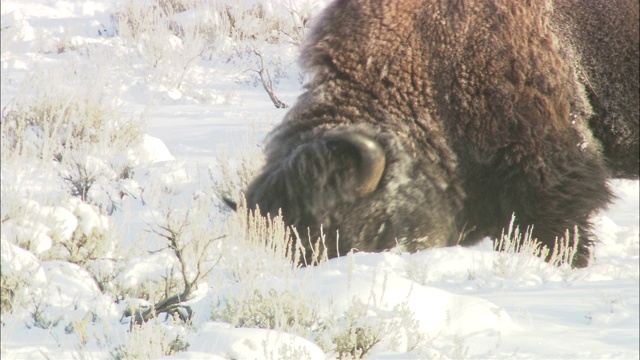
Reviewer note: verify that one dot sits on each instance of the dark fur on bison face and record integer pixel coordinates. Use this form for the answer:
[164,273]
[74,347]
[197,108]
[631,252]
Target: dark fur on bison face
[361,183]
[429,123]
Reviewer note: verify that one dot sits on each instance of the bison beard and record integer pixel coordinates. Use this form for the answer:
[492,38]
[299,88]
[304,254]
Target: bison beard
[429,123]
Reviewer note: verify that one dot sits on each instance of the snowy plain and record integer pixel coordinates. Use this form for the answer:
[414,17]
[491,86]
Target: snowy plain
[203,113]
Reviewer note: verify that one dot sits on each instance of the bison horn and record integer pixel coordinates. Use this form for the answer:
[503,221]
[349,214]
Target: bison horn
[372,158]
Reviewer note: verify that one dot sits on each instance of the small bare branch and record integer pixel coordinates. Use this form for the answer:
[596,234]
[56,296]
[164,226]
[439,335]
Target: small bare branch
[173,305]
[265,78]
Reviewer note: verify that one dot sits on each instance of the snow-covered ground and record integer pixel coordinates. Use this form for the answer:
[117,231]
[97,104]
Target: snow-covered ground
[76,264]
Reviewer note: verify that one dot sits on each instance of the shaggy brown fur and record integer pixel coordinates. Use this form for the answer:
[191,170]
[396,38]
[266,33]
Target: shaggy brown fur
[605,38]
[481,109]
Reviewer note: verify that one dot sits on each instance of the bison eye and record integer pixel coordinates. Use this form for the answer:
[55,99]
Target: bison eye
[372,158]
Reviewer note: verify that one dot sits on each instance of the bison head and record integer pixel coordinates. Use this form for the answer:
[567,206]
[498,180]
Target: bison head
[357,188]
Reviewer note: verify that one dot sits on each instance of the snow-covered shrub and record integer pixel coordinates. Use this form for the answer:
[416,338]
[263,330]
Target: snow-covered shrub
[151,340]
[273,22]
[62,137]
[230,179]
[519,253]
[253,232]
[61,110]
[364,326]
[355,336]
[176,258]
[66,164]
[279,310]
[63,123]
[19,271]
[149,278]
[563,253]
[168,48]
[32,234]
[253,39]
[265,245]
[89,241]
[349,332]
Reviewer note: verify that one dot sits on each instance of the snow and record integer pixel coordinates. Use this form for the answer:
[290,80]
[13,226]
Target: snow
[209,126]
[221,341]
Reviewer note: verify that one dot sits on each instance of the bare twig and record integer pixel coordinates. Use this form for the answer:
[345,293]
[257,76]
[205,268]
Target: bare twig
[300,24]
[173,305]
[265,78]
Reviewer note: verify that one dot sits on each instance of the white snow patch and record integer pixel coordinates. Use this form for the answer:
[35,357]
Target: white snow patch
[221,341]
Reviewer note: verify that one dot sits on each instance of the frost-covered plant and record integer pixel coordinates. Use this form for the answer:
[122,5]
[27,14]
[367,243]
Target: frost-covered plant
[19,270]
[253,231]
[362,327]
[8,287]
[280,310]
[60,110]
[67,42]
[63,123]
[286,351]
[171,37]
[352,334]
[460,348]
[270,22]
[64,152]
[75,231]
[228,180]
[355,337]
[90,179]
[168,46]
[266,246]
[72,231]
[151,340]
[520,253]
[517,253]
[91,240]
[188,235]
[564,252]
[38,317]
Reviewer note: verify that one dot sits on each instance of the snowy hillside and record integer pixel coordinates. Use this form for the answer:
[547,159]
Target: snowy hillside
[124,121]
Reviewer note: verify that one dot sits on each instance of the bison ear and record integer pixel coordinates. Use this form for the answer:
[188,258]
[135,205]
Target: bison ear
[372,158]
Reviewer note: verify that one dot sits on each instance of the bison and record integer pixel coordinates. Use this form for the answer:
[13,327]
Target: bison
[428,123]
